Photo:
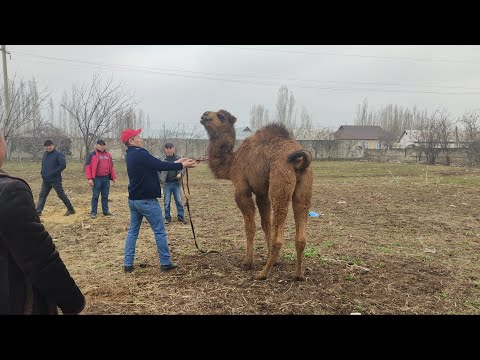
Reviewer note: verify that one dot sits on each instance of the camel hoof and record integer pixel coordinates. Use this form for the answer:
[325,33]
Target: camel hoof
[260,276]
[247,266]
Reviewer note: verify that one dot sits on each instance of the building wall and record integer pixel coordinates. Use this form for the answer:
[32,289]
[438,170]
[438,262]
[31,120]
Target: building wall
[334,149]
[411,155]
[321,150]
[183,147]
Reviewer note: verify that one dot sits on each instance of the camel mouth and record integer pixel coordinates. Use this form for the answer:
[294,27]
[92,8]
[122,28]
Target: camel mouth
[204,120]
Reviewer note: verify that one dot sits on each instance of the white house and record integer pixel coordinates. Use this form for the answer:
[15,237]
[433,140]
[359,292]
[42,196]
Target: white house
[411,138]
[408,138]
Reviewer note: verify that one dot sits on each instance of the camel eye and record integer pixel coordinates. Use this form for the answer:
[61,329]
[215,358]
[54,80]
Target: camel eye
[221,116]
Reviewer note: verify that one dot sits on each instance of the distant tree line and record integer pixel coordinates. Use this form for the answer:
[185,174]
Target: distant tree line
[286,113]
[434,132]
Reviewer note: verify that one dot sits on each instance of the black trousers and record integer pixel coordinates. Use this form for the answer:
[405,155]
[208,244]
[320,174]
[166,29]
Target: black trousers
[45,190]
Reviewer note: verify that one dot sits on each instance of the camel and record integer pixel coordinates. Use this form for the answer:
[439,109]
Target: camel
[274,167]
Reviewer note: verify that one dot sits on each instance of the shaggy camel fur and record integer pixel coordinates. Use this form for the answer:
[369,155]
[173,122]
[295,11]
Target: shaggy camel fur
[274,167]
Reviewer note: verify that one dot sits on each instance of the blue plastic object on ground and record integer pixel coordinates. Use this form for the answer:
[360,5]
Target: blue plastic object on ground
[313,214]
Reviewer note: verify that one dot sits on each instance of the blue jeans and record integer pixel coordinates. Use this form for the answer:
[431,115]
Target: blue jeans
[45,190]
[149,208]
[101,185]
[168,189]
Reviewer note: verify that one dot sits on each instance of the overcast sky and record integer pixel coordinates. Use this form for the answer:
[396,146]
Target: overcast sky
[176,84]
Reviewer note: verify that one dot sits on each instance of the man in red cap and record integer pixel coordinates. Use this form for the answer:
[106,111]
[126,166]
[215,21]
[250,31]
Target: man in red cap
[143,191]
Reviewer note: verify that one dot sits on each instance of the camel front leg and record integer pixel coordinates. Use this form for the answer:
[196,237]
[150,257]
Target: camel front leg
[244,200]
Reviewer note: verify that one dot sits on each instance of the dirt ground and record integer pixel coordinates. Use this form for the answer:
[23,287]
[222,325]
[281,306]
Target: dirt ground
[391,239]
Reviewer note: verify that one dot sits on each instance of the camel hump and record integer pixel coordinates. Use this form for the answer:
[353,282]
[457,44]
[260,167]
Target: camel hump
[300,159]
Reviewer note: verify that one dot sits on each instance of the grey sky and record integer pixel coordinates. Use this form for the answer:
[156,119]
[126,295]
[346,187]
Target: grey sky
[330,81]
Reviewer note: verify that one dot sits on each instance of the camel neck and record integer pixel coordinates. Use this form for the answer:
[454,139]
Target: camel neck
[221,156]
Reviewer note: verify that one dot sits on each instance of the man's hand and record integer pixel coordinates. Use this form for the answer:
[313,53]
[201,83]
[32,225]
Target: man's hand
[113,180]
[189,163]
[181,160]
[90,182]
[179,176]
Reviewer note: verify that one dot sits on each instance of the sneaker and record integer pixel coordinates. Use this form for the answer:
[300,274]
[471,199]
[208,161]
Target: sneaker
[108,213]
[39,213]
[93,216]
[169,266]
[128,269]
[182,220]
[167,221]
[69,212]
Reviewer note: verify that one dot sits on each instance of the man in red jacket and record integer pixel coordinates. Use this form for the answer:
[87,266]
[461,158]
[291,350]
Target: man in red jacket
[99,171]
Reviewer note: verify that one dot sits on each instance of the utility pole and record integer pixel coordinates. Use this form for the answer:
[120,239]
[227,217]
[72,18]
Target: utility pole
[5,82]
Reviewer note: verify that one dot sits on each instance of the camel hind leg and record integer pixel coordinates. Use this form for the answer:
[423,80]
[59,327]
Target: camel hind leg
[243,198]
[301,204]
[280,192]
[264,207]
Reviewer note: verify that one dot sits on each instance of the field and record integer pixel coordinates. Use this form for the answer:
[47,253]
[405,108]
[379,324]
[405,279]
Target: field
[391,239]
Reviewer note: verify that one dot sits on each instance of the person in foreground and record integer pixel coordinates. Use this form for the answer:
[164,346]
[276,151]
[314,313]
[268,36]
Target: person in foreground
[143,191]
[33,277]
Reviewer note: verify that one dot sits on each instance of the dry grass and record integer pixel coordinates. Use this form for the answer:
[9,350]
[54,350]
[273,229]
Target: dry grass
[389,241]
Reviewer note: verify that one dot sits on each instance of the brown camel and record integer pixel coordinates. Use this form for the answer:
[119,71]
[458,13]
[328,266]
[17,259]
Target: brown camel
[274,167]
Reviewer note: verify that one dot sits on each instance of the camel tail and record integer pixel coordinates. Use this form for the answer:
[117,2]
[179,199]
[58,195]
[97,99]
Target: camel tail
[300,159]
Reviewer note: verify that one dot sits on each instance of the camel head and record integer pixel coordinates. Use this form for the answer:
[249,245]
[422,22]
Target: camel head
[218,122]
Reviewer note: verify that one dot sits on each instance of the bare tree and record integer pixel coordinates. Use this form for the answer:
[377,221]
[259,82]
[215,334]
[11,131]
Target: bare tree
[470,121]
[25,106]
[190,138]
[285,107]
[266,117]
[435,135]
[394,119]
[31,141]
[306,126]
[98,109]
[362,114]
[51,112]
[471,135]
[258,117]
[145,120]
[323,137]
[63,116]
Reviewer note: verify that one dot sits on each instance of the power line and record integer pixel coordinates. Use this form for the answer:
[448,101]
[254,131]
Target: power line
[350,55]
[140,69]
[252,76]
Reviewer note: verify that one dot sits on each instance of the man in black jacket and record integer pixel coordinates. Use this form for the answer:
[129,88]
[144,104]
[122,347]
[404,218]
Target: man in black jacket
[33,277]
[53,163]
